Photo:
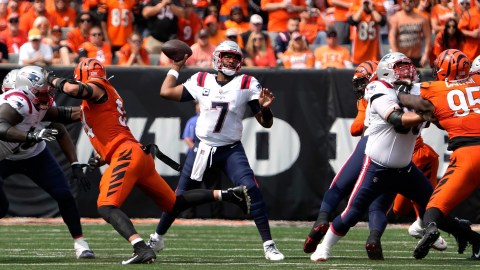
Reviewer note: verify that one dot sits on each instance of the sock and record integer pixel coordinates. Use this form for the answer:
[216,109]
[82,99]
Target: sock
[156,235]
[136,241]
[220,196]
[330,239]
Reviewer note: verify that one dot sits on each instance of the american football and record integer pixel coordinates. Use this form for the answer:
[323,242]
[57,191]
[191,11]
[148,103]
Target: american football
[176,49]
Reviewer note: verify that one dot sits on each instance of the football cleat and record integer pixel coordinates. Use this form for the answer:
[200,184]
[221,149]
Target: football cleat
[440,244]
[462,242]
[416,229]
[156,243]
[271,251]
[321,254]
[141,255]
[239,196]
[374,248]
[314,237]
[423,247]
[82,250]
[475,252]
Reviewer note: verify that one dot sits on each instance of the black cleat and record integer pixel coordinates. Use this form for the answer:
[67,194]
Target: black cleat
[239,196]
[423,247]
[462,242]
[314,237]
[141,255]
[374,246]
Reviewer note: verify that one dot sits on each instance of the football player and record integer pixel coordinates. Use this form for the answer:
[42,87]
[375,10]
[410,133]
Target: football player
[130,163]
[27,100]
[452,102]
[223,99]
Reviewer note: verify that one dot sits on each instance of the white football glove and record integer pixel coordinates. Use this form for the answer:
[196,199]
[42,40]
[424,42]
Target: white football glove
[46,134]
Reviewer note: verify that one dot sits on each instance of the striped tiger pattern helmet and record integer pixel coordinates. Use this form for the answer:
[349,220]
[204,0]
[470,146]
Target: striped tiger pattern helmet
[451,65]
[364,74]
[89,68]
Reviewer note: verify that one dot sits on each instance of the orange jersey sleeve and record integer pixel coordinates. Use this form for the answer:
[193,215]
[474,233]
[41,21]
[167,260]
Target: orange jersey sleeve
[457,105]
[106,123]
[277,19]
[356,129]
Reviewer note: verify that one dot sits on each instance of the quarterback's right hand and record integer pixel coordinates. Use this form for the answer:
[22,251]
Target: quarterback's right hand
[46,134]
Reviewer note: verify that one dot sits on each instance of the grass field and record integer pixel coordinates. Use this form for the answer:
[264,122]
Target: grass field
[193,246]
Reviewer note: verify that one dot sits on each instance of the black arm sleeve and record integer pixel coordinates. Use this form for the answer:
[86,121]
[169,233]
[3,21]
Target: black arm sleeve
[254,106]
[395,118]
[351,21]
[186,96]
[383,21]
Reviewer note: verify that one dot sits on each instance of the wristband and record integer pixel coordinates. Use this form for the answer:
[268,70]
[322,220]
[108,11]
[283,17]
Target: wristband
[173,72]
[267,114]
[74,163]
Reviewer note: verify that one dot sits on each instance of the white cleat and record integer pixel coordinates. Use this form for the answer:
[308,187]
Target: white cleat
[440,244]
[321,254]
[271,251]
[416,229]
[156,243]
[82,250]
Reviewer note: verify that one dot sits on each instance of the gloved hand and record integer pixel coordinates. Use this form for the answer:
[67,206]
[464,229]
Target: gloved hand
[79,176]
[50,77]
[95,162]
[46,134]
[402,88]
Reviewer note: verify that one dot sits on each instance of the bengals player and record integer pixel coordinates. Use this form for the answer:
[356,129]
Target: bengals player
[363,74]
[105,123]
[452,102]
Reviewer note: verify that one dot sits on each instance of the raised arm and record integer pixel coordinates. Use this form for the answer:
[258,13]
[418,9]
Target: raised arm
[265,115]
[169,89]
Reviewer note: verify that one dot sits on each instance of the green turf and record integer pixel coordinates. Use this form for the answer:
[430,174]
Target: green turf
[212,247]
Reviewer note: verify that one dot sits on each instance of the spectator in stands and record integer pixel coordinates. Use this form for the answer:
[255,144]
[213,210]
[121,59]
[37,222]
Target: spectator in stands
[232,34]
[18,6]
[280,12]
[90,5]
[212,9]
[96,47]
[390,9]
[62,54]
[3,14]
[227,5]
[440,14]
[340,19]
[64,13]
[202,51]
[367,16]
[27,18]
[162,28]
[460,6]
[13,36]
[449,38]
[424,7]
[42,24]
[201,6]
[133,53]
[258,54]
[298,55]
[80,34]
[117,21]
[3,53]
[469,24]
[283,38]
[189,25]
[34,52]
[409,32]
[312,26]
[256,25]
[216,35]
[332,55]
[237,20]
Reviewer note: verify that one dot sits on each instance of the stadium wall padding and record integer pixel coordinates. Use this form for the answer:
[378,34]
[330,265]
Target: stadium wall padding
[294,161]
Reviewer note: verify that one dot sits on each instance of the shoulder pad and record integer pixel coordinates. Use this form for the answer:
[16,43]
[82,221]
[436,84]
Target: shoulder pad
[377,87]
[19,101]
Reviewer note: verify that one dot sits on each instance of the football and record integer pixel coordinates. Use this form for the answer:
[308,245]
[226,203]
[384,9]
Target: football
[176,49]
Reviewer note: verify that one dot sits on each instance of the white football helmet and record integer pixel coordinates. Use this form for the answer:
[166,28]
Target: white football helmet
[390,71]
[9,80]
[32,80]
[475,68]
[227,47]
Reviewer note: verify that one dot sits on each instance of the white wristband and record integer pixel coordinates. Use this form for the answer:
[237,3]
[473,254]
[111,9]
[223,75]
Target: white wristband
[173,72]
[74,163]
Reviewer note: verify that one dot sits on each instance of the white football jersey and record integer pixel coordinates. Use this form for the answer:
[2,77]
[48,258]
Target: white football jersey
[31,120]
[385,146]
[221,107]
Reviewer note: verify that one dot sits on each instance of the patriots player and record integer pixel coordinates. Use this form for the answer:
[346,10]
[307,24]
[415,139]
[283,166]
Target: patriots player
[387,167]
[23,149]
[223,99]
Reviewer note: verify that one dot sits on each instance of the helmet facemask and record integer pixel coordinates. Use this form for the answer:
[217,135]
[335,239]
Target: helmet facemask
[359,85]
[43,98]
[405,72]
[229,69]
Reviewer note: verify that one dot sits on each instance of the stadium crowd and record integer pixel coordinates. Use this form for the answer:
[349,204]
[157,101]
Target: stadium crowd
[294,34]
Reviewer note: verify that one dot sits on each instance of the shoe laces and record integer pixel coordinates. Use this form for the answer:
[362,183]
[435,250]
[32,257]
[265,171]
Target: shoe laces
[272,249]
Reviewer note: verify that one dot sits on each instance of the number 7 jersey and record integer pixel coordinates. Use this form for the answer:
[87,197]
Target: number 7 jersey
[457,105]
[221,107]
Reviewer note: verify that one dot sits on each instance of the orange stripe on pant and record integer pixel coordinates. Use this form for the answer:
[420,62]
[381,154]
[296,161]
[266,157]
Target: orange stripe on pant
[130,166]
[459,181]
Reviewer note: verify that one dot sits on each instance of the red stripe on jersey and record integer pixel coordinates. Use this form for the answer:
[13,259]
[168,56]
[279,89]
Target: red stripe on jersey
[386,84]
[23,96]
[360,179]
[245,82]
[201,79]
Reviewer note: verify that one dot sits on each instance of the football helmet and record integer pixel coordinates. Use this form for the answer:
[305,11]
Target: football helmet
[451,65]
[396,66]
[9,80]
[32,80]
[89,68]
[363,74]
[475,68]
[227,47]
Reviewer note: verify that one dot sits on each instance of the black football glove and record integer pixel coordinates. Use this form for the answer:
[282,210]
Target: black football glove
[50,77]
[79,176]
[402,88]
[95,162]
[46,134]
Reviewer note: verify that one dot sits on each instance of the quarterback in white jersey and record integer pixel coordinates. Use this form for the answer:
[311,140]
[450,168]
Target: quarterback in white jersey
[223,99]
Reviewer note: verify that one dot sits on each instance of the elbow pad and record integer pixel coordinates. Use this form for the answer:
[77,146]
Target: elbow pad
[64,114]
[395,119]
